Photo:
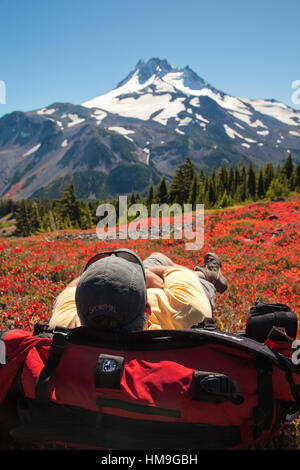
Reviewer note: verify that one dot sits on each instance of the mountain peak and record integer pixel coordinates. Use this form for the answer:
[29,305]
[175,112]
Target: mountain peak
[145,70]
[160,68]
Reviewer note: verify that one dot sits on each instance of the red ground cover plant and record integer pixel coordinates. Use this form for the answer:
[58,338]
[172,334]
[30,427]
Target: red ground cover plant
[259,245]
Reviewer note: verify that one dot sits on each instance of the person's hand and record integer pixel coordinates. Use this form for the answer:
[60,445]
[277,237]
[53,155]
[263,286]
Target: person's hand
[153,280]
[154,277]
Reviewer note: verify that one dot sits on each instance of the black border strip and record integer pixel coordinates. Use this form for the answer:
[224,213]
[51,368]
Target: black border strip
[136,408]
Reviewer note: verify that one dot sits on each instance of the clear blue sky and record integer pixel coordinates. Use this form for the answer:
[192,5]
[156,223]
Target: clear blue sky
[74,50]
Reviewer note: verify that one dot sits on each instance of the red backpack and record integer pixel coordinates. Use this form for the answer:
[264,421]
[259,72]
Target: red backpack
[180,389]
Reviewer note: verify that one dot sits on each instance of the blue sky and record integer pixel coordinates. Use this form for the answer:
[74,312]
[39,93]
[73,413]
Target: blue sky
[72,50]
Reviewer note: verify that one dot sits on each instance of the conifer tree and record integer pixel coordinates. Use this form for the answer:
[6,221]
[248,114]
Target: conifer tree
[70,207]
[231,181]
[193,193]
[181,183]
[86,217]
[297,177]
[260,185]
[243,193]
[277,190]
[288,167]
[269,175]
[162,192]
[221,179]
[23,226]
[251,182]
[212,196]
[202,176]
[237,181]
[150,196]
[51,221]
[22,220]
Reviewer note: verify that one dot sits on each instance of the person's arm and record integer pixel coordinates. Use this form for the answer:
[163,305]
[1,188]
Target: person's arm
[154,276]
[74,282]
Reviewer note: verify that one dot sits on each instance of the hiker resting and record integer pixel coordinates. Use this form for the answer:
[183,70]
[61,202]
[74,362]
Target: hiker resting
[117,291]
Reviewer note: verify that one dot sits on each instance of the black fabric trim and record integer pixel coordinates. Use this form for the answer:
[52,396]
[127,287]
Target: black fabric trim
[162,340]
[295,389]
[136,408]
[263,413]
[56,423]
[207,324]
[59,341]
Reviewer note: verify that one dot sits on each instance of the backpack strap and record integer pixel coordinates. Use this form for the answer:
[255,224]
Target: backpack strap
[263,412]
[59,342]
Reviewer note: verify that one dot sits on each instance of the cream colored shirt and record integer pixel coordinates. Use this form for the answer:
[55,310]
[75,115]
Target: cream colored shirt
[181,304]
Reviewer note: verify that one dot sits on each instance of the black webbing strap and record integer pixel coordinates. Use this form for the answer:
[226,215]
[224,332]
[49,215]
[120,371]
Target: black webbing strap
[207,324]
[263,413]
[72,424]
[59,341]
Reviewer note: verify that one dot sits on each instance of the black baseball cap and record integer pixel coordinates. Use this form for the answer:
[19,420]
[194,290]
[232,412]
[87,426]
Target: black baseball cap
[113,285]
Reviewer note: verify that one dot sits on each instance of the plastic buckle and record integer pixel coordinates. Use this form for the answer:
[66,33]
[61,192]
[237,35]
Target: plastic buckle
[60,338]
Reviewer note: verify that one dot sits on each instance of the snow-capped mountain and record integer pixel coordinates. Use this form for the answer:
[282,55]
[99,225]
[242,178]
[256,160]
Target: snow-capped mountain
[179,98]
[145,127]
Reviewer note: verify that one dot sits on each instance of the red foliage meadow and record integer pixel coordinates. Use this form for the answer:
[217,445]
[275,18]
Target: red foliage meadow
[258,244]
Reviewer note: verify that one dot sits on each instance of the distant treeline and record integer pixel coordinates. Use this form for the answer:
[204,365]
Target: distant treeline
[224,187]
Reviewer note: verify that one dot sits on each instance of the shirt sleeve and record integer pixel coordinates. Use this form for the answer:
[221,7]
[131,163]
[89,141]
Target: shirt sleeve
[186,297]
[182,303]
[64,311]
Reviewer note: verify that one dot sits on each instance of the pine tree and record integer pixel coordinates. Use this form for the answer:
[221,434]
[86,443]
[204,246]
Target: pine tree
[260,185]
[242,190]
[277,190]
[70,207]
[150,196]
[297,178]
[51,222]
[212,196]
[86,217]
[162,192]
[35,218]
[133,198]
[181,183]
[279,174]
[202,176]
[288,167]
[269,175]
[221,180]
[193,193]
[251,182]
[225,200]
[23,226]
[237,181]
[231,182]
